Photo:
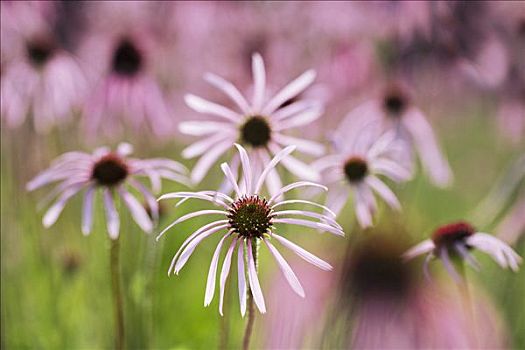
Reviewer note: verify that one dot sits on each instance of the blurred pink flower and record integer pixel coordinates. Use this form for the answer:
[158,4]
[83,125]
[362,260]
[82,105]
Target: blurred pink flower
[354,167]
[122,59]
[394,111]
[248,219]
[261,124]
[457,239]
[39,78]
[109,172]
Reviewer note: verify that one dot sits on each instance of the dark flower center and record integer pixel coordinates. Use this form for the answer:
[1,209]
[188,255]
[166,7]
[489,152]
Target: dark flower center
[250,216]
[521,28]
[109,170]
[39,52]
[449,234]
[256,131]
[395,104]
[376,268]
[355,169]
[127,60]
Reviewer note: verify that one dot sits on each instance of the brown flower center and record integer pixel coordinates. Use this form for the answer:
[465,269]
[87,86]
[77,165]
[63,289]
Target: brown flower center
[39,52]
[355,169]
[256,131]
[110,170]
[127,59]
[250,216]
[449,234]
[395,104]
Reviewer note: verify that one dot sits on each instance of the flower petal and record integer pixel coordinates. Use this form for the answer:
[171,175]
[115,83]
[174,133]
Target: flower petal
[286,270]
[305,255]
[278,157]
[212,273]
[112,217]
[201,105]
[229,89]
[259,81]
[291,90]
[421,248]
[225,271]
[137,211]
[255,287]
[241,277]
[87,210]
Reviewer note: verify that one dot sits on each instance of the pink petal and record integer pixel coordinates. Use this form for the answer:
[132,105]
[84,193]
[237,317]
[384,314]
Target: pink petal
[307,256]
[291,90]
[204,106]
[112,217]
[87,210]
[229,89]
[278,157]
[255,287]
[225,271]
[241,277]
[286,269]
[212,273]
[137,211]
[259,81]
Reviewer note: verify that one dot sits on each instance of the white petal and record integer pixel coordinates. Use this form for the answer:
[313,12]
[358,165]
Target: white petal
[204,106]
[246,168]
[229,89]
[383,191]
[294,185]
[186,253]
[54,211]
[296,167]
[202,146]
[206,161]
[231,179]
[294,108]
[278,157]
[301,119]
[112,217]
[390,169]
[291,201]
[212,273]
[87,210]
[241,278]
[311,224]
[192,215]
[259,81]
[310,214]
[138,212]
[291,90]
[225,271]
[255,287]
[307,256]
[421,248]
[286,270]
[199,128]
[305,146]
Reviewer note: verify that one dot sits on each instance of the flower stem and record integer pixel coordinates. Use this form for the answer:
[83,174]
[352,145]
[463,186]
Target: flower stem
[251,307]
[117,294]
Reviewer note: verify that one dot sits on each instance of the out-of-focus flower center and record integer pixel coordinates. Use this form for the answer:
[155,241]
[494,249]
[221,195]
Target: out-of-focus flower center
[256,131]
[355,169]
[375,268]
[109,170]
[250,216]
[395,104]
[452,233]
[127,59]
[521,28]
[39,52]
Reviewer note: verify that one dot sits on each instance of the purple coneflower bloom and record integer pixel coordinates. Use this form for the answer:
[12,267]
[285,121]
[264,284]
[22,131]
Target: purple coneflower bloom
[126,92]
[394,111]
[354,167]
[260,125]
[457,239]
[248,219]
[39,77]
[111,172]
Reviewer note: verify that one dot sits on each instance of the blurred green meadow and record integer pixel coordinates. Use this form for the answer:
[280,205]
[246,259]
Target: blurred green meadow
[56,288]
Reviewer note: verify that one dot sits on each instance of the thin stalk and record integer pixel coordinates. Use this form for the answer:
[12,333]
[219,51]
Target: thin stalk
[250,303]
[117,294]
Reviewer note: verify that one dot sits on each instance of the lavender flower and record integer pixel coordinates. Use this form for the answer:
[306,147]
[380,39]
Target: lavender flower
[110,172]
[394,111]
[261,125]
[457,239]
[354,167]
[246,220]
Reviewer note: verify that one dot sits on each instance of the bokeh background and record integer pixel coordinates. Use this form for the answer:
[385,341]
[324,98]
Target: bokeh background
[463,63]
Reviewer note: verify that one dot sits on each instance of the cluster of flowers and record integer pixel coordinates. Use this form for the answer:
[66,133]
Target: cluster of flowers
[375,141]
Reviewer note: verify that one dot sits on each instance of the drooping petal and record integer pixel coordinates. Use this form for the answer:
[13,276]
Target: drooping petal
[305,255]
[384,192]
[186,253]
[255,287]
[137,211]
[212,273]
[225,271]
[241,278]
[54,211]
[286,269]
[419,249]
[465,254]
[310,214]
[311,224]
[87,210]
[499,250]
[112,217]
[443,255]
[192,215]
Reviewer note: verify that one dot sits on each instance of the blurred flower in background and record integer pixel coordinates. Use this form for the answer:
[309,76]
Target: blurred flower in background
[39,77]
[260,125]
[110,172]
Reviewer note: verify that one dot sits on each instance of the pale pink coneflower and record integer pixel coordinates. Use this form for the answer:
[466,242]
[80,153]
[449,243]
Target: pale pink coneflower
[260,125]
[456,240]
[111,172]
[39,78]
[395,111]
[247,220]
[126,92]
[353,168]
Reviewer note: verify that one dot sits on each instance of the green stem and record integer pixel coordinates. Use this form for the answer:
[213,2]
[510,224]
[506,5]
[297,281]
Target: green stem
[250,305]
[117,294]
